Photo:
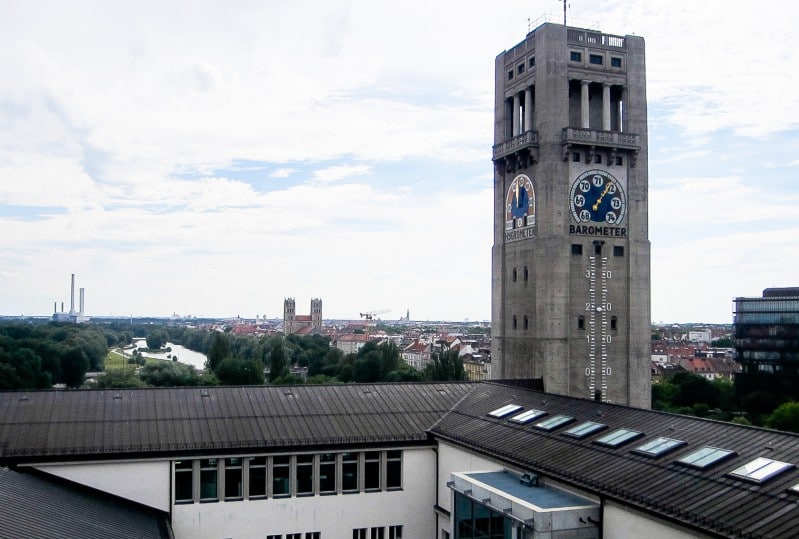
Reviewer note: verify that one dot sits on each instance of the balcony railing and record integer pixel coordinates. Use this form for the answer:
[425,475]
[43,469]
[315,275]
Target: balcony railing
[609,139]
[519,142]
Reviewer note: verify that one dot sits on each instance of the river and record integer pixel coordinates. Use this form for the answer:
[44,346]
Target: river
[189,357]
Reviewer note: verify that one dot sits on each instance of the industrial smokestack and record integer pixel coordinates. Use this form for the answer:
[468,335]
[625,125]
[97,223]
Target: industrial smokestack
[62,306]
[72,296]
[55,307]
[81,301]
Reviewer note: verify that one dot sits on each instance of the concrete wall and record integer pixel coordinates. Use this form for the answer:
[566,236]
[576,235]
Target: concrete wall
[334,516]
[146,482]
[621,522]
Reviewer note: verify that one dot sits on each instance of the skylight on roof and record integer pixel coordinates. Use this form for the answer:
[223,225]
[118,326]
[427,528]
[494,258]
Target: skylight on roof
[761,469]
[527,416]
[584,429]
[554,422]
[505,410]
[659,446]
[618,437]
[795,488]
[706,457]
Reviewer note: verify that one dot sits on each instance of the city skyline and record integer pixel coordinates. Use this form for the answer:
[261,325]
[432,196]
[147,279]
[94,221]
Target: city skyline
[212,161]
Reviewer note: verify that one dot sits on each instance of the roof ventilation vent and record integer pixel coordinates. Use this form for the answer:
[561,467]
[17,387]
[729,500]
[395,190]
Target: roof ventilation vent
[529,480]
[117,396]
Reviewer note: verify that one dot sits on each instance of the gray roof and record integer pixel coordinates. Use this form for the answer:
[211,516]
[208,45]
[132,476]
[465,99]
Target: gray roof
[108,423]
[709,500]
[33,507]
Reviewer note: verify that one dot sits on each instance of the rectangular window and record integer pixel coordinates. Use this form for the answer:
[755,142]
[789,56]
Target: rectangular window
[598,247]
[619,161]
[510,75]
[618,250]
[304,475]
[584,429]
[257,475]
[532,61]
[576,157]
[575,56]
[659,446]
[395,532]
[761,469]
[554,422]
[520,69]
[598,158]
[359,533]
[527,416]
[577,249]
[281,476]
[327,473]
[313,535]
[371,470]
[595,59]
[349,472]
[293,536]
[274,537]
[233,479]
[184,481]
[208,480]
[706,457]
[393,469]
[378,533]
[615,62]
[618,437]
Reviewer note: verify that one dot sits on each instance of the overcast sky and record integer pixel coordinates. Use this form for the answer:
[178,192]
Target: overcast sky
[211,158]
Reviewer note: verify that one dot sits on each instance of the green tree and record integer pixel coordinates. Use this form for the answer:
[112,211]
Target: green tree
[169,374]
[785,417]
[74,365]
[156,339]
[278,365]
[235,371]
[446,366]
[218,351]
[118,379]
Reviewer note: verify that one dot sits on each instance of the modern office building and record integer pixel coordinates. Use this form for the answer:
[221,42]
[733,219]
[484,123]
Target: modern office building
[570,269]
[766,331]
[382,461]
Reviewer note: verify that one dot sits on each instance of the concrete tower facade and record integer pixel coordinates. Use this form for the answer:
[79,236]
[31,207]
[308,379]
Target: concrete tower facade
[570,262]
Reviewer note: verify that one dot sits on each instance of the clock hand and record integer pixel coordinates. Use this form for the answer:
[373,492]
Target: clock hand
[599,200]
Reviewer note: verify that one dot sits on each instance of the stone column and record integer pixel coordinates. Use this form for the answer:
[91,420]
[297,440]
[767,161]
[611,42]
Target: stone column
[606,107]
[528,109]
[516,105]
[585,113]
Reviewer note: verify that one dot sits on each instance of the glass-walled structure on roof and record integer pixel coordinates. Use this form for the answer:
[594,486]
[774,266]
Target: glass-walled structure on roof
[766,333]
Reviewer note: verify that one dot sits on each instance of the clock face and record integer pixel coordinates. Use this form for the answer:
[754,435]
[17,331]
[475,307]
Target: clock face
[597,196]
[520,203]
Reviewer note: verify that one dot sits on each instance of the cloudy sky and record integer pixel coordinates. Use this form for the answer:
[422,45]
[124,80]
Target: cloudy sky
[211,158]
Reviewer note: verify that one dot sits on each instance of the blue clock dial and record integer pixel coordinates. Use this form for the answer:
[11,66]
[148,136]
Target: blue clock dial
[597,196]
[520,203]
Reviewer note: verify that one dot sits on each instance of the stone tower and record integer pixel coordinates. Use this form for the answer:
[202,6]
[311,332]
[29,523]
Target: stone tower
[570,262]
[316,313]
[289,315]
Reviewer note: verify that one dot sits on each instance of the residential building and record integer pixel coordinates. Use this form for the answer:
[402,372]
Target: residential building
[570,270]
[417,354]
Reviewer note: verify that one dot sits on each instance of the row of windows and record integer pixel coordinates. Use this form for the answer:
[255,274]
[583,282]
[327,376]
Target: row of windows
[614,323]
[759,470]
[283,476]
[577,249]
[520,68]
[577,157]
[394,532]
[308,535]
[595,59]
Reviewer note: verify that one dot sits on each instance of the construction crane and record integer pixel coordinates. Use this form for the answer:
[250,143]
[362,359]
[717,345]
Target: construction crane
[370,315]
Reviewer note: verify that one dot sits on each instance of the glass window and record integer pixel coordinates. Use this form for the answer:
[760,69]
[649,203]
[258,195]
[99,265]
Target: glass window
[184,481]
[595,59]
[584,429]
[615,62]
[706,457]
[505,410]
[327,473]
[527,416]
[618,250]
[257,474]
[378,533]
[510,74]
[304,475]
[761,469]
[618,437]
[520,69]
[233,479]
[313,535]
[575,56]
[532,61]
[393,469]
[371,470]
[395,532]
[293,536]
[554,422]
[576,157]
[274,537]
[577,248]
[359,533]
[208,480]
[281,476]
[349,472]
[659,446]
